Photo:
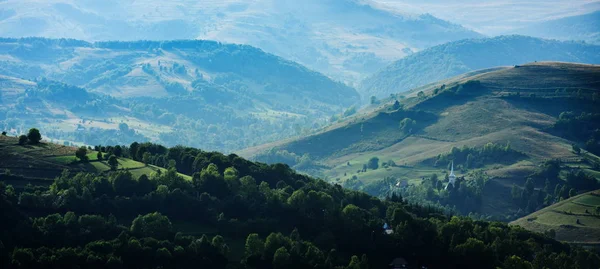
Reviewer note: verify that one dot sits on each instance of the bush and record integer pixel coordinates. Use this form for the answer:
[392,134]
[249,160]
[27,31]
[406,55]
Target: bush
[34,136]
[81,154]
[22,140]
[373,163]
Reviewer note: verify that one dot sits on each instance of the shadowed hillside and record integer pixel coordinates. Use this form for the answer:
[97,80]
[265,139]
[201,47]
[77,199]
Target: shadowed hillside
[509,120]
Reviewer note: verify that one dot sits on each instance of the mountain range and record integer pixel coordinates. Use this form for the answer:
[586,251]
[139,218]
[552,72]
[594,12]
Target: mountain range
[454,58]
[323,35]
[174,92]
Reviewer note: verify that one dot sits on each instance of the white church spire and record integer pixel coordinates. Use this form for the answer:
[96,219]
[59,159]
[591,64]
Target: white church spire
[451,177]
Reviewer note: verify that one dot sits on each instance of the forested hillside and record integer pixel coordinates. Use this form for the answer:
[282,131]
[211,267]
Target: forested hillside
[520,138]
[198,93]
[455,58]
[231,213]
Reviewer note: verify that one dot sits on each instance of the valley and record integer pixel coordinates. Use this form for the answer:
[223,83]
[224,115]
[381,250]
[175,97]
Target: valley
[282,134]
[173,92]
[508,109]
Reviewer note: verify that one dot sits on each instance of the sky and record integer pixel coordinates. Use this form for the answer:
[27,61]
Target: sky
[495,17]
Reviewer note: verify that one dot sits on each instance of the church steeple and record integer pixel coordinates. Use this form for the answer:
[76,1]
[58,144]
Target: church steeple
[451,177]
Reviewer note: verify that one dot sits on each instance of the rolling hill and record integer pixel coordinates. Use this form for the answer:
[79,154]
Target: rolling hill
[574,220]
[454,58]
[232,96]
[512,111]
[322,35]
[584,27]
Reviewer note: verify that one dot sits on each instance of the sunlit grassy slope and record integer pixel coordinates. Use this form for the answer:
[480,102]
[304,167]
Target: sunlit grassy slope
[574,220]
[45,161]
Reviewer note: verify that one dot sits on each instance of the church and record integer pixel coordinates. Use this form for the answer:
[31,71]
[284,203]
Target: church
[451,177]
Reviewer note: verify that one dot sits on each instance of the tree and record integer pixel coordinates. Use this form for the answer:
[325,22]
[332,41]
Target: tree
[22,140]
[407,124]
[373,163]
[254,245]
[4,133]
[421,94]
[113,162]
[515,262]
[118,151]
[373,100]
[123,183]
[34,136]
[572,192]
[576,149]
[146,158]
[281,259]
[99,156]
[152,225]
[81,154]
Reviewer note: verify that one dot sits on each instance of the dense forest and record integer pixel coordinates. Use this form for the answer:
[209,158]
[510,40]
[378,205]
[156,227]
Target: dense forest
[241,214]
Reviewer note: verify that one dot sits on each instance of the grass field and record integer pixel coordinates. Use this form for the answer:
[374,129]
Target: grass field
[47,161]
[575,220]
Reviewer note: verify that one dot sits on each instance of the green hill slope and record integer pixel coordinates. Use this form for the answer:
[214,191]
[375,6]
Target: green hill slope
[519,110]
[451,59]
[235,214]
[574,220]
[41,164]
[232,96]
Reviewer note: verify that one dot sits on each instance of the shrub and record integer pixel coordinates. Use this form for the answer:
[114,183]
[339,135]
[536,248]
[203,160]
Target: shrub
[22,140]
[34,136]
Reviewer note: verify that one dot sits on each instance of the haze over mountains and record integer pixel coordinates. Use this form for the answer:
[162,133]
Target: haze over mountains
[323,35]
[202,93]
[581,27]
[454,58]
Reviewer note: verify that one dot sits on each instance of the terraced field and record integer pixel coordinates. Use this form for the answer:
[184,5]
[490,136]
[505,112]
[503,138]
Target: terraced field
[575,220]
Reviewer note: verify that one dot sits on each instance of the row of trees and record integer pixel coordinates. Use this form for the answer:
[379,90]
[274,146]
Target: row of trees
[473,157]
[33,137]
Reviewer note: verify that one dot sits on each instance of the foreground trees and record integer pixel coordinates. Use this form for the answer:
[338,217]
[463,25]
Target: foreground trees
[282,220]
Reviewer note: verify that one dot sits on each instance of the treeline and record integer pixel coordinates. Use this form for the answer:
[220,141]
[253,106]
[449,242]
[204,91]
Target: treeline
[464,197]
[555,188]
[474,157]
[583,128]
[293,160]
[286,220]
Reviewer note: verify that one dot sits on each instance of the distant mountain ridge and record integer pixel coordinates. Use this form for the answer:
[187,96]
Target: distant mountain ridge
[189,88]
[584,27]
[463,56]
[323,35]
